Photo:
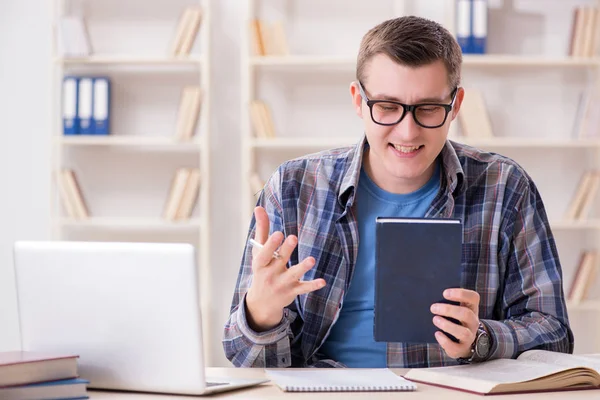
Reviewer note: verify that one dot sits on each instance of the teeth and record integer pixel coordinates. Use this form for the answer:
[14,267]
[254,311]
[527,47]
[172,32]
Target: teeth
[403,149]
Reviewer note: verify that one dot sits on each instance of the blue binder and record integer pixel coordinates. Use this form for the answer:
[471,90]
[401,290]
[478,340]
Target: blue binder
[479,26]
[70,90]
[101,104]
[463,24]
[85,105]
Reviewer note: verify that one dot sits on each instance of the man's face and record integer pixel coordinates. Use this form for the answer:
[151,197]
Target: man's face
[401,156]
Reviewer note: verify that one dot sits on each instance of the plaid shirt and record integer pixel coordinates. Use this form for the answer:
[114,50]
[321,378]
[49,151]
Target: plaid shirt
[509,257]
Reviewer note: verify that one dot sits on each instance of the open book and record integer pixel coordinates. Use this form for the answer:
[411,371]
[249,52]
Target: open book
[532,371]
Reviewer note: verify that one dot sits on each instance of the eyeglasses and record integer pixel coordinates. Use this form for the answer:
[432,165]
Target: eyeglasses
[427,115]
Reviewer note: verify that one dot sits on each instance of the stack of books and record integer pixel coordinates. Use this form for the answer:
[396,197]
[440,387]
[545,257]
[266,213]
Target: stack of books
[36,375]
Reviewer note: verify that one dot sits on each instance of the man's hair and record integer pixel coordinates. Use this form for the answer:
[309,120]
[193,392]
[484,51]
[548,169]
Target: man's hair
[413,42]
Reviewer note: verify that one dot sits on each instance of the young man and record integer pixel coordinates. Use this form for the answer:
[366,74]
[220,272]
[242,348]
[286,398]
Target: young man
[312,305]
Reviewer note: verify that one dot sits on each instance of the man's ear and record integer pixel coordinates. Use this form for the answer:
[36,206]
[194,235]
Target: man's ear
[460,95]
[357,99]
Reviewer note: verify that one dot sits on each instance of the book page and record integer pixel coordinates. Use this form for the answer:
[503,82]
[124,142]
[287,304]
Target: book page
[484,377]
[562,359]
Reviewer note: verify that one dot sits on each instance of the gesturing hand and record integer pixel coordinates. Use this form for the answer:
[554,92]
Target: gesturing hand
[466,313]
[274,286]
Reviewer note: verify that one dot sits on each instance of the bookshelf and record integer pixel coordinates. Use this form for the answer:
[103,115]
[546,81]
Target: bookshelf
[125,177]
[527,62]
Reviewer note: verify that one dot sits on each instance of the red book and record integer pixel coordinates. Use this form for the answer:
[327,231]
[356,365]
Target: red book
[24,367]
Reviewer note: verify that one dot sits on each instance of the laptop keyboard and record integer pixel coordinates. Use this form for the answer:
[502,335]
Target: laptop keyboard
[211,384]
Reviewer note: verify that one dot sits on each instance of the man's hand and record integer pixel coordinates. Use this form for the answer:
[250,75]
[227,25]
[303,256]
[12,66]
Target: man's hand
[274,286]
[466,313]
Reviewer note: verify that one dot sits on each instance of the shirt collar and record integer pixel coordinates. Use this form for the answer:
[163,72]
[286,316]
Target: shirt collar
[452,170]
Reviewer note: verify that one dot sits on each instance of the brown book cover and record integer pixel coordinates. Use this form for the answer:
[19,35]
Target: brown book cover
[76,195]
[258,47]
[184,21]
[575,290]
[256,117]
[189,36]
[193,113]
[26,367]
[65,195]
[591,195]
[175,194]
[473,115]
[578,198]
[280,46]
[579,32]
[184,111]
[256,183]
[573,32]
[189,196]
[265,113]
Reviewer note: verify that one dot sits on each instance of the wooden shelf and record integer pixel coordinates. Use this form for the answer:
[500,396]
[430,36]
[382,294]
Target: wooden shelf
[586,305]
[154,224]
[487,60]
[303,143]
[154,142]
[522,142]
[500,60]
[506,142]
[125,60]
[592,224]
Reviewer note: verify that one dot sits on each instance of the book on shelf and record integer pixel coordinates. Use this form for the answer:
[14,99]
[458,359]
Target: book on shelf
[183,194]
[187,31]
[262,122]
[587,117]
[585,276]
[268,39]
[189,112]
[585,32]
[583,199]
[256,183]
[86,105]
[71,194]
[64,389]
[72,38]
[28,367]
[472,26]
[473,115]
[532,371]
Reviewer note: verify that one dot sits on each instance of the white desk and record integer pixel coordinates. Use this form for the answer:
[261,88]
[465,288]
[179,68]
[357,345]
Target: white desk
[268,391]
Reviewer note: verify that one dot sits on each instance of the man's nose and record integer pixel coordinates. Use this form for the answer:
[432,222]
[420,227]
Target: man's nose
[407,129]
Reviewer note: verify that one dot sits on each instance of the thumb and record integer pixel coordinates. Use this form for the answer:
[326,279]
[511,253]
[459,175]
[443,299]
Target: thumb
[262,225]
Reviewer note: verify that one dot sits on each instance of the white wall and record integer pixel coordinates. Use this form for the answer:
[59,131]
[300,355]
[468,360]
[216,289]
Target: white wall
[24,156]
[25,56]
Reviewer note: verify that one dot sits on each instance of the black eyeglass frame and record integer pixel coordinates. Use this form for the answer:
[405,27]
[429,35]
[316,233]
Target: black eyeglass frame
[408,108]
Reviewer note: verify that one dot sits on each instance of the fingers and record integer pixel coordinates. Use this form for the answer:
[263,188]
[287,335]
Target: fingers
[462,333]
[295,273]
[468,298]
[262,225]
[262,257]
[288,246]
[463,314]
[309,286]
[454,350]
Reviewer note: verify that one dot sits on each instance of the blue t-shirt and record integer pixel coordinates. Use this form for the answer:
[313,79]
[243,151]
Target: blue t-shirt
[351,338]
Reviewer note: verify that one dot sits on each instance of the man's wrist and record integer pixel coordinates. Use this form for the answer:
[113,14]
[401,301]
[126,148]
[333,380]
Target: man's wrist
[481,347]
[261,319]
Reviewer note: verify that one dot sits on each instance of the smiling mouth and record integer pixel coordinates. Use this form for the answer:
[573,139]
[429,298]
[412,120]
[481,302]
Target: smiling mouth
[406,149]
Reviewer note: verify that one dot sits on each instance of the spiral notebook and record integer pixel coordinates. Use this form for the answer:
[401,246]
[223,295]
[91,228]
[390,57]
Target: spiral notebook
[339,380]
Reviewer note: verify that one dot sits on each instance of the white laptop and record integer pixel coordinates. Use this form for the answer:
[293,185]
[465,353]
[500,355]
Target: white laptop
[129,310]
